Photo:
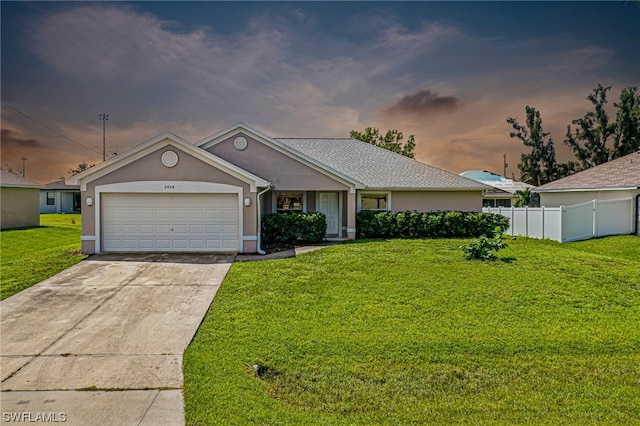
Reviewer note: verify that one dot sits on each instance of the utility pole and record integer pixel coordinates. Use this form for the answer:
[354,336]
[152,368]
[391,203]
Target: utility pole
[504,165]
[24,166]
[104,118]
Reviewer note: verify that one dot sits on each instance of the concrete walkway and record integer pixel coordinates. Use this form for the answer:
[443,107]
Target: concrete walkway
[285,253]
[102,342]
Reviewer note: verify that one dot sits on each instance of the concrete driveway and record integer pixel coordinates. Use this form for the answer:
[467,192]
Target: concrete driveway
[102,342]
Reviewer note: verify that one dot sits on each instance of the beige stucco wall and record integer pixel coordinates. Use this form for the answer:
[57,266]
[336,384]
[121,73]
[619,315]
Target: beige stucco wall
[284,173]
[425,201]
[150,168]
[19,207]
[557,199]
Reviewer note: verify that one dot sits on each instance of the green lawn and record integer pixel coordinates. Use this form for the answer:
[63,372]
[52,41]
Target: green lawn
[30,255]
[404,332]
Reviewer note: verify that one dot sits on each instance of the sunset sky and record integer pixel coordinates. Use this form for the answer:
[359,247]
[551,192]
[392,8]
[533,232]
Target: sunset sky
[450,73]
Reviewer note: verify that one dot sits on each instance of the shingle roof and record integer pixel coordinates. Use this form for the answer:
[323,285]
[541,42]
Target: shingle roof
[9,179]
[376,167]
[60,184]
[623,172]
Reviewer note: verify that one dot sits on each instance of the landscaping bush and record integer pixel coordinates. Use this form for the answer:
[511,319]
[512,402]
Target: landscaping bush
[293,228]
[449,224]
[484,247]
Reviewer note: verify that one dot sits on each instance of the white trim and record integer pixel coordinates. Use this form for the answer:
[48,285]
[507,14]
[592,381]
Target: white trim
[88,238]
[152,145]
[351,230]
[223,134]
[249,238]
[359,200]
[619,188]
[166,187]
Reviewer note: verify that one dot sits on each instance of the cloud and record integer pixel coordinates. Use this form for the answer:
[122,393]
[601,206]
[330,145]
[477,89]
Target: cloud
[10,140]
[424,102]
[289,71]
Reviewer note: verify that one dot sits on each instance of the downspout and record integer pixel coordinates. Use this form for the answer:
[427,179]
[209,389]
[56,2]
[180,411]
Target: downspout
[259,215]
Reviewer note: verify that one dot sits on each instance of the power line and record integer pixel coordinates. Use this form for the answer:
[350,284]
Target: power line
[48,128]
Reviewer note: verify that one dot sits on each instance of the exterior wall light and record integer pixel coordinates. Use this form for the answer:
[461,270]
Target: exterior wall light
[89,201]
[247,201]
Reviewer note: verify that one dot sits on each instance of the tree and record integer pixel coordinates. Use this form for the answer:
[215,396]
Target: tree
[524,197]
[589,137]
[538,166]
[9,169]
[81,168]
[392,140]
[627,133]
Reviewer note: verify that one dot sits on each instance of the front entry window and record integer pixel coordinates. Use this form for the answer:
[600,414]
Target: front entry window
[289,202]
[374,201]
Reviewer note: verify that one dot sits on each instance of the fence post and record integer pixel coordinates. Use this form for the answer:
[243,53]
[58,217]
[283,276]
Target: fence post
[526,220]
[542,219]
[594,231]
[562,224]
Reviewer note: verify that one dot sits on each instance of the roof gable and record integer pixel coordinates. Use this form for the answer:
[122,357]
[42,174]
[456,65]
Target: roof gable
[621,173]
[10,180]
[283,148]
[152,145]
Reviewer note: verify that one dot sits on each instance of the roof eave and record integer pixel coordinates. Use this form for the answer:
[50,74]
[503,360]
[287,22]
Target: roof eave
[612,188]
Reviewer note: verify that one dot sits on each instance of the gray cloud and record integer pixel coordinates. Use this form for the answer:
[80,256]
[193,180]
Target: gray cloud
[424,102]
[10,140]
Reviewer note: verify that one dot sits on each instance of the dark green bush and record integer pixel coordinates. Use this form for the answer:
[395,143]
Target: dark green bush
[449,224]
[293,228]
[484,248]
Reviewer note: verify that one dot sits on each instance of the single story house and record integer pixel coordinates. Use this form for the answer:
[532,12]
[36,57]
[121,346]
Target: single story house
[167,194]
[58,197]
[18,201]
[503,190]
[616,180]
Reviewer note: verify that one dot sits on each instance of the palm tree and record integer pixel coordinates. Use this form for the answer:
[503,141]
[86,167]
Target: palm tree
[524,197]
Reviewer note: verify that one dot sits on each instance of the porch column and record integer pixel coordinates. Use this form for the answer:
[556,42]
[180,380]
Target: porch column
[351,215]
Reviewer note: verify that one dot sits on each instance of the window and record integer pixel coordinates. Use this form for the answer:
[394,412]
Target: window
[289,202]
[375,201]
[496,202]
[51,198]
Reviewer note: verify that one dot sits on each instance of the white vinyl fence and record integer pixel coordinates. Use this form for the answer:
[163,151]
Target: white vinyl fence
[570,223]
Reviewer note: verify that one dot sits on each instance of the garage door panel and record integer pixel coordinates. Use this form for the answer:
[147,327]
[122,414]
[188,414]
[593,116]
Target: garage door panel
[146,228]
[163,214]
[146,214]
[164,222]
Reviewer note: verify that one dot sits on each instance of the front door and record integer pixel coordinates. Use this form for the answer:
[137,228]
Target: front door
[329,204]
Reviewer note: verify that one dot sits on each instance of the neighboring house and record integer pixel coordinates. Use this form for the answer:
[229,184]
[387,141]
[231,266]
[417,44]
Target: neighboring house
[167,194]
[18,201]
[502,192]
[617,179]
[57,197]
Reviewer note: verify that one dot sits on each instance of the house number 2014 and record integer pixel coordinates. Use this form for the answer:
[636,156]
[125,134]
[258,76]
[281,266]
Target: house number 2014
[169,187]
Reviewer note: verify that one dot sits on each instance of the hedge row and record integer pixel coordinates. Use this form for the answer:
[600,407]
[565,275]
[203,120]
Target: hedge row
[449,224]
[293,228]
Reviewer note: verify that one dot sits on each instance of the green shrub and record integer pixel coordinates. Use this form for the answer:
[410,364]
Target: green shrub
[449,224]
[293,228]
[484,247]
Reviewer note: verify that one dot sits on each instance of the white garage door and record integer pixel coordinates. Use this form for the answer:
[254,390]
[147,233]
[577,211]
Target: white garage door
[170,222]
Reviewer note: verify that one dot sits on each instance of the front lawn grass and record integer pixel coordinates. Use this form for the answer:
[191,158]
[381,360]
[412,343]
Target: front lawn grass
[407,331]
[30,255]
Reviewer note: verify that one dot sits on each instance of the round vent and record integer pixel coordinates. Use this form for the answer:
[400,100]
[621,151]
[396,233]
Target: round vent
[169,158]
[240,143]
